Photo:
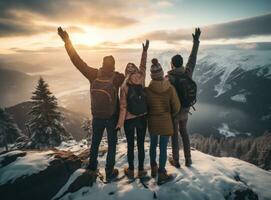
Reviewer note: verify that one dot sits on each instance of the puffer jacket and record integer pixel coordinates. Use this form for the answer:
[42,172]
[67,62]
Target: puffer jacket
[136,79]
[163,105]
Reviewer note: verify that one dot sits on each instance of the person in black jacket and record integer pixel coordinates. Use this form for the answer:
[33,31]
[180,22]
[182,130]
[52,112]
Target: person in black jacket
[180,121]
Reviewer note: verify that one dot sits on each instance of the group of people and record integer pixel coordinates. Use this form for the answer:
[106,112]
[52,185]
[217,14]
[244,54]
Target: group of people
[162,107]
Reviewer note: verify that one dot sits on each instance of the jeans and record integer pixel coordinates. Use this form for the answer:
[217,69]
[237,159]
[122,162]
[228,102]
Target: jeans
[138,125]
[99,125]
[180,125]
[163,141]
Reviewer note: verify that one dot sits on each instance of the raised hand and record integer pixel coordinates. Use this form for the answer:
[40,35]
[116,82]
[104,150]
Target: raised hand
[63,34]
[196,35]
[146,45]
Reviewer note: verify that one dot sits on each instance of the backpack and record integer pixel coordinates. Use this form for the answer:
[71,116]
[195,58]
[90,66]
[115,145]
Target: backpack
[186,89]
[103,98]
[136,100]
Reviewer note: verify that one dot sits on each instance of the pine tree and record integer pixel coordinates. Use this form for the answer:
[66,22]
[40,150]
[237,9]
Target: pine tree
[45,123]
[9,130]
[87,127]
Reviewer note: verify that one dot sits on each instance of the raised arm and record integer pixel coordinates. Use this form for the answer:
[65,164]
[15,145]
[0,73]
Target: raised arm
[89,72]
[143,60]
[190,66]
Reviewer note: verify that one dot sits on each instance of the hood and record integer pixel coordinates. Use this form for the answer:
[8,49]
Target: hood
[159,86]
[177,71]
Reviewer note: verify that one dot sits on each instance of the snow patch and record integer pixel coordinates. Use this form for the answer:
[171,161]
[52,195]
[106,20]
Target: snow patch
[208,178]
[225,130]
[31,163]
[72,178]
[241,98]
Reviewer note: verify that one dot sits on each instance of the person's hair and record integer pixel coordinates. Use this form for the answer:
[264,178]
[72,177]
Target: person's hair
[177,60]
[109,63]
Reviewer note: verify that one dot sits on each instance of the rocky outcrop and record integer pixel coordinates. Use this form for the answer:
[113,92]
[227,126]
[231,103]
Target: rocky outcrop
[44,184]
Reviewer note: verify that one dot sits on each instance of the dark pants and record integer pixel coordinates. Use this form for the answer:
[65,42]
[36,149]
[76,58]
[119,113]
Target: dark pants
[98,126]
[180,126]
[163,141]
[138,125]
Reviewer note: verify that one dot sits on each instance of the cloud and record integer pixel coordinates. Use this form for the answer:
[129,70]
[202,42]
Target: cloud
[13,28]
[30,16]
[231,30]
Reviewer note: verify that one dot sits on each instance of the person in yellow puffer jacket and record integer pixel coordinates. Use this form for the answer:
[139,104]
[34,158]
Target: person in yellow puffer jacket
[163,105]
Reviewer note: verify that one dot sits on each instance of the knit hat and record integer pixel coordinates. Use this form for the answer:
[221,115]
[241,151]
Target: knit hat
[177,60]
[157,72]
[108,63]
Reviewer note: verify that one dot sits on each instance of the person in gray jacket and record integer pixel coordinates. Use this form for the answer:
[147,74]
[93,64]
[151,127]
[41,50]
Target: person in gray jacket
[180,121]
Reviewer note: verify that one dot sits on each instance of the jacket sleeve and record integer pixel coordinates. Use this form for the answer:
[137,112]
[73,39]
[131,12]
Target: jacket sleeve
[174,102]
[143,61]
[123,106]
[190,66]
[89,72]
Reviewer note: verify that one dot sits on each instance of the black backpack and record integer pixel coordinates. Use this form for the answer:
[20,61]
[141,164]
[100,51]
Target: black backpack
[136,100]
[103,98]
[186,89]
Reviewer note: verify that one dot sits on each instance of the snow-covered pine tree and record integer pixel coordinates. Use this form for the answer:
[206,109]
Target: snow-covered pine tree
[87,127]
[9,130]
[45,123]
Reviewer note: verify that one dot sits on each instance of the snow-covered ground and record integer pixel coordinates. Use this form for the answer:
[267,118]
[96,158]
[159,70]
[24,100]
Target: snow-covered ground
[208,178]
[32,163]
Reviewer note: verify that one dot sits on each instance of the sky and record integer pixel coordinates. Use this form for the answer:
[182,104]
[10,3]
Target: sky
[29,26]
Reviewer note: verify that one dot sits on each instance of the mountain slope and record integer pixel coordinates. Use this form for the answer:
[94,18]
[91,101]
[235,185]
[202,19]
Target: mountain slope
[72,121]
[15,87]
[233,91]
[208,178]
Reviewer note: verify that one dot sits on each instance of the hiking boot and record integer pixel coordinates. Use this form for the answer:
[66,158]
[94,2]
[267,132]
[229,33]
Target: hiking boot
[154,170]
[188,162]
[142,173]
[164,177]
[129,173]
[174,163]
[111,175]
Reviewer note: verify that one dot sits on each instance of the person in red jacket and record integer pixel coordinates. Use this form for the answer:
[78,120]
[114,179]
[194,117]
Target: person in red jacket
[105,83]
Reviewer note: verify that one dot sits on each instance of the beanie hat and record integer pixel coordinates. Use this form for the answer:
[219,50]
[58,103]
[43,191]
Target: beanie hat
[131,68]
[108,63]
[177,60]
[157,72]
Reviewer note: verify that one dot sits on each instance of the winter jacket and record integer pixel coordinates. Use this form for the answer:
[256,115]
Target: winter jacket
[189,69]
[135,79]
[163,105]
[91,73]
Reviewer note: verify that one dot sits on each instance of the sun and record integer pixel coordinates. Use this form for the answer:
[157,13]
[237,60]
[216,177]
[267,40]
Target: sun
[89,37]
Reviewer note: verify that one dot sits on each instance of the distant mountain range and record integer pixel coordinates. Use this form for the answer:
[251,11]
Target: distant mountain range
[72,122]
[234,96]
[15,87]
[233,91]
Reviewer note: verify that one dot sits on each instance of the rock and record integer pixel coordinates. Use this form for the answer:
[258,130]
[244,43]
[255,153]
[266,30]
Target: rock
[9,157]
[247,194]
[45,184]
